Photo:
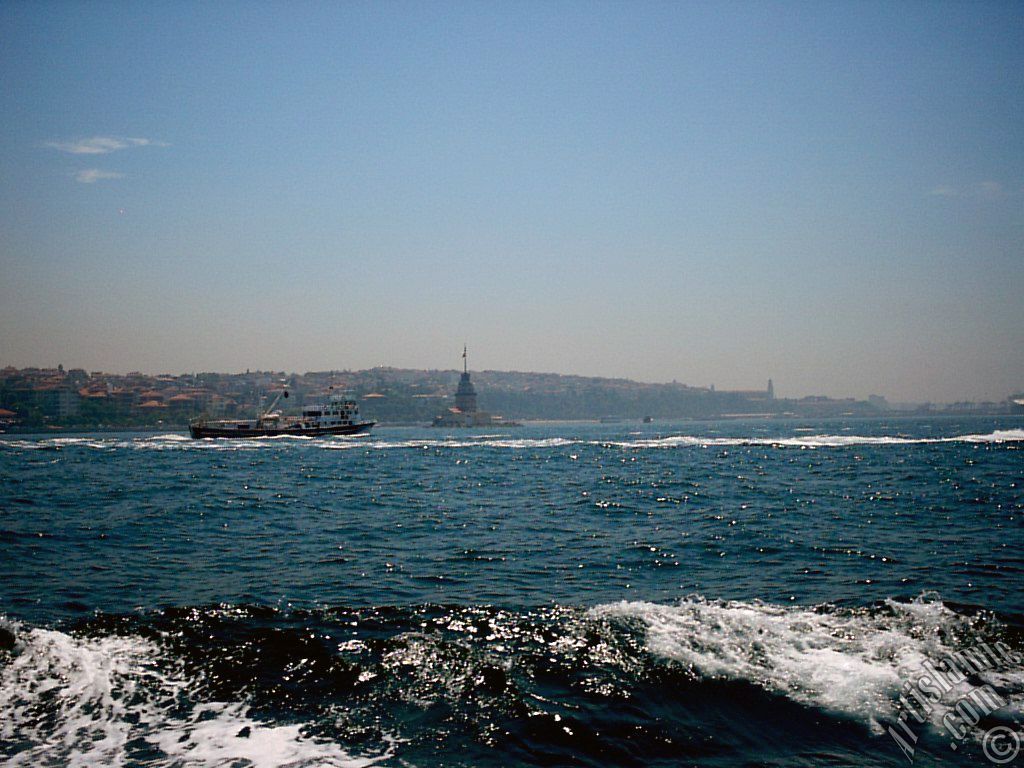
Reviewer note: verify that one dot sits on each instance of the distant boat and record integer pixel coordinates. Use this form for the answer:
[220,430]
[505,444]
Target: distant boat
[338,415]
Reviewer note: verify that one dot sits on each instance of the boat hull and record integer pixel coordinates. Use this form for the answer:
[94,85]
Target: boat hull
[199,431]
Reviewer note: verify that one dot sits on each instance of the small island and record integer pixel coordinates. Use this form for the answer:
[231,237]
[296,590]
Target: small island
[464,413]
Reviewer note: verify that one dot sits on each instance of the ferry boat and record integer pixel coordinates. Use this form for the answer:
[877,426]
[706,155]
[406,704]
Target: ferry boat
[338,415]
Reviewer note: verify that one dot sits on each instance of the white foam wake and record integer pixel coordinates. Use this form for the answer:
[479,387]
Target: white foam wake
[171,441]
[852,662]
[820,441]
[68,701]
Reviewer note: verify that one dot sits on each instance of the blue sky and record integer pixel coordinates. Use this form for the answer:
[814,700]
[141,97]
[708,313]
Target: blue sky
[830,194]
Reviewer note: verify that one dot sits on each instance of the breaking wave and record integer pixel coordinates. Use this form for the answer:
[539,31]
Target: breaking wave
[173,441]
[117,700]
[851,662]
[257,686]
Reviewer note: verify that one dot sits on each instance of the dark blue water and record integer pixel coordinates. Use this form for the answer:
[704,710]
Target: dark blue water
[720,593]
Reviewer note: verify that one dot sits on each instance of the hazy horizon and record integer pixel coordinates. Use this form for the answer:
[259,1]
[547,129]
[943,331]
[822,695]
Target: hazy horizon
[828,195]
[780,393]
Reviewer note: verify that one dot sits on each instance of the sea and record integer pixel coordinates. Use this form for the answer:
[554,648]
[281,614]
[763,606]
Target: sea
[706,593]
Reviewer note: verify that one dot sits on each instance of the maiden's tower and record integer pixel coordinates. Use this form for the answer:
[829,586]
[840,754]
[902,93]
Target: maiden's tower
[465,413]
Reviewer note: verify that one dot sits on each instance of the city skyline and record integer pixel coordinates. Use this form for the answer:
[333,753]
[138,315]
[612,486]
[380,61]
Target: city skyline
[31,399]
[282,377]
[830,196]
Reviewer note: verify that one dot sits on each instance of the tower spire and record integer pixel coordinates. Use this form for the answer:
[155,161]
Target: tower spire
[465,395]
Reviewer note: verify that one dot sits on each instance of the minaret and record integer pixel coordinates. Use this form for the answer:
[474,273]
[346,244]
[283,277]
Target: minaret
[465,395]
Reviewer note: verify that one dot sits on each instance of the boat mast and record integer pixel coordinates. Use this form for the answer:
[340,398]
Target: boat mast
[273,404]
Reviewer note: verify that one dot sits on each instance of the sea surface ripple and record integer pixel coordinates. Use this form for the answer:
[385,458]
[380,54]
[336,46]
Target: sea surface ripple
[713,593]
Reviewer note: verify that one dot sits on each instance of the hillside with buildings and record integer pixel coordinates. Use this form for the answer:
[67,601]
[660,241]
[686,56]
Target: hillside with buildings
[45,398]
